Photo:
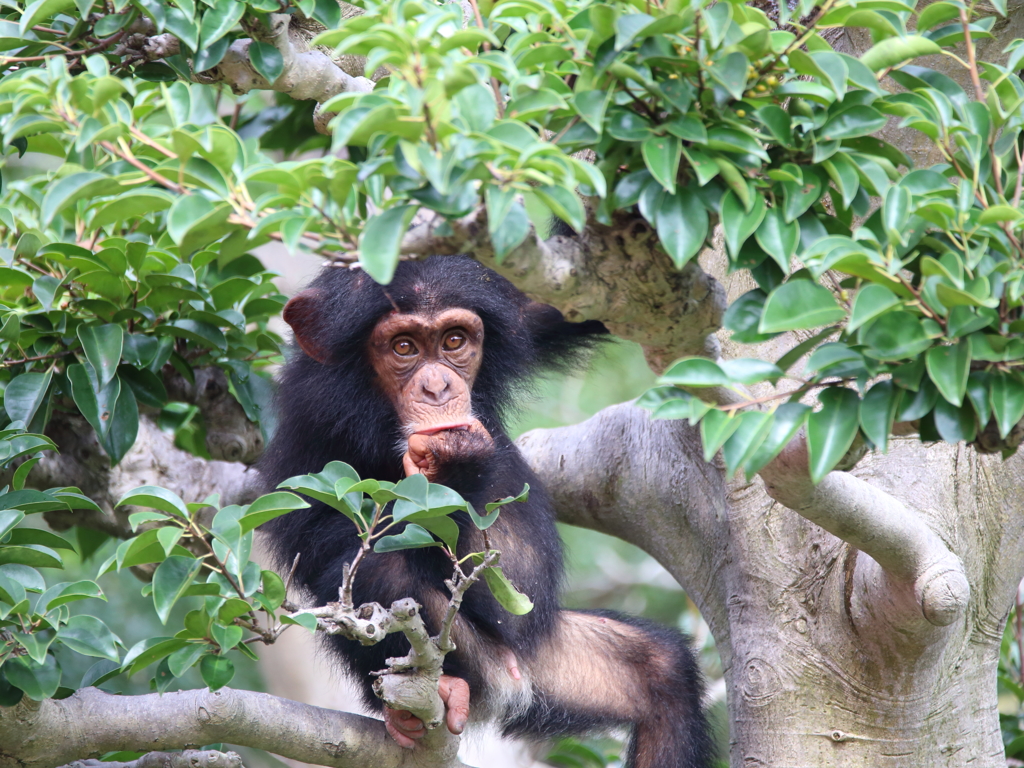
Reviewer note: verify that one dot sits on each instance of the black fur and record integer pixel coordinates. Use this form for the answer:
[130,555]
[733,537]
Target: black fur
[336,411]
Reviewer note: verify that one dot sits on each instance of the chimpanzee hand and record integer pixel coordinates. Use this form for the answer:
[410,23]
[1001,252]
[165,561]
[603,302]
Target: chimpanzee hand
[405,728]
[430,452]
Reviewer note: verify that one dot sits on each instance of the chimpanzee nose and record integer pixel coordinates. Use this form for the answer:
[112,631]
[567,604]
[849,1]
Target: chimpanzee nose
[435,387]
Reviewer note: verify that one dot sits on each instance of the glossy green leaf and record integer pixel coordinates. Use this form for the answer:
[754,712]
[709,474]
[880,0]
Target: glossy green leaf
[90,636]
[661,154]
[948,367]
[778,237]
[381,239]
[878,412]
[1006,394]
[954,423]
[413,537]
[744,442]
[25,395]
[799,304]
[789,419]
[831,430]
[156,498]
[102,345]
[38,681]
[695,372]
[894,336]
[216,671]
[895,50]
[185,658]
[870,302]
[682,225]
[715,428]
[266,60]
[171,579]
[218,20]
[268,507]
[510,598]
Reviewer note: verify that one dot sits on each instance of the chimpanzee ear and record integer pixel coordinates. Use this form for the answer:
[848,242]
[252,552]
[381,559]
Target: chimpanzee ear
[305,315]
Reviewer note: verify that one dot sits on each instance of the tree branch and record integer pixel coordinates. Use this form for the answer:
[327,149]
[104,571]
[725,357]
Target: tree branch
[153,460]
[92,723]
[189,758]
[617,274]
[645,481]
[308,74]
[903,549]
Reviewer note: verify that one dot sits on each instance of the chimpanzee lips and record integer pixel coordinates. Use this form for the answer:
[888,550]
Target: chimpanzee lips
[444,427]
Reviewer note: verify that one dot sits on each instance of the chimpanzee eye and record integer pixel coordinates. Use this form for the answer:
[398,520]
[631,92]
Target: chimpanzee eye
[453,340]
[404,348]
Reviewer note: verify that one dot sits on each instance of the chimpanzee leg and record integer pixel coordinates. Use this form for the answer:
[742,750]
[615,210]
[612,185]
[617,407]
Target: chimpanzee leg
[600,669]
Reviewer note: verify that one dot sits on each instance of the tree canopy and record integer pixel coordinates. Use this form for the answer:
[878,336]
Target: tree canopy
[143,145]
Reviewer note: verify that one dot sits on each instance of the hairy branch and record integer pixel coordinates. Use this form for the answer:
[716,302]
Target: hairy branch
[906,551]
[92,723]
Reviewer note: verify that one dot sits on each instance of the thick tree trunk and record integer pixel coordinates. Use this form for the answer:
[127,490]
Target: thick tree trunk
[829,660]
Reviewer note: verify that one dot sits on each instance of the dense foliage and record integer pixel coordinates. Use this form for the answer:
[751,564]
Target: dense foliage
[126,241]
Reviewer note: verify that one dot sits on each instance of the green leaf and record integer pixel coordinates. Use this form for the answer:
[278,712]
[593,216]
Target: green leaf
[34,555]
[90,636]
[878,412]
[948,366]
[799,304]
[897,50]
[171,579]
[273,589]
[746,439]
[564,203]
[306,620]
[870,302]
[858,120]
[682,225]
[512,231]
[218,20]
[661,154]
[381,239]
[8,519]
[216,671]
[102,345]
[998,213]
[954,423]
[38,11]
[894,336]
[1006,393]
[731,73]
[268,507]
[789,419]
[413,537]
[71,188]
[830,431]
[800,197]
[717,427]
[510,598]
[38,681]
[156,498]
[778,237]
[738,223]
[79,590]
[695,372]
[266,60]
[226,637]
[184,658]
[25,394]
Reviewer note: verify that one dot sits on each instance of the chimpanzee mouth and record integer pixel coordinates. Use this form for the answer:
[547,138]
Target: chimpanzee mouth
[445,427]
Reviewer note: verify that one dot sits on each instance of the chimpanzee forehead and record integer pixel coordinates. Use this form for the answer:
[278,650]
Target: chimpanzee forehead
[424,324]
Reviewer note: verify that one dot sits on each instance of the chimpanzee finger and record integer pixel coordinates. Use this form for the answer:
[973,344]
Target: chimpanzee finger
[404,727]
[454,692]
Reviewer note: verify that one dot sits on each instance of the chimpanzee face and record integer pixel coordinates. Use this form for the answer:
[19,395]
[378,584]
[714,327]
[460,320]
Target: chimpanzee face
[426,363]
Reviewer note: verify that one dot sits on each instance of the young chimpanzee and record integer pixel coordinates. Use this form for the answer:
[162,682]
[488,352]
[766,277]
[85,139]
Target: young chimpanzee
[415,377]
